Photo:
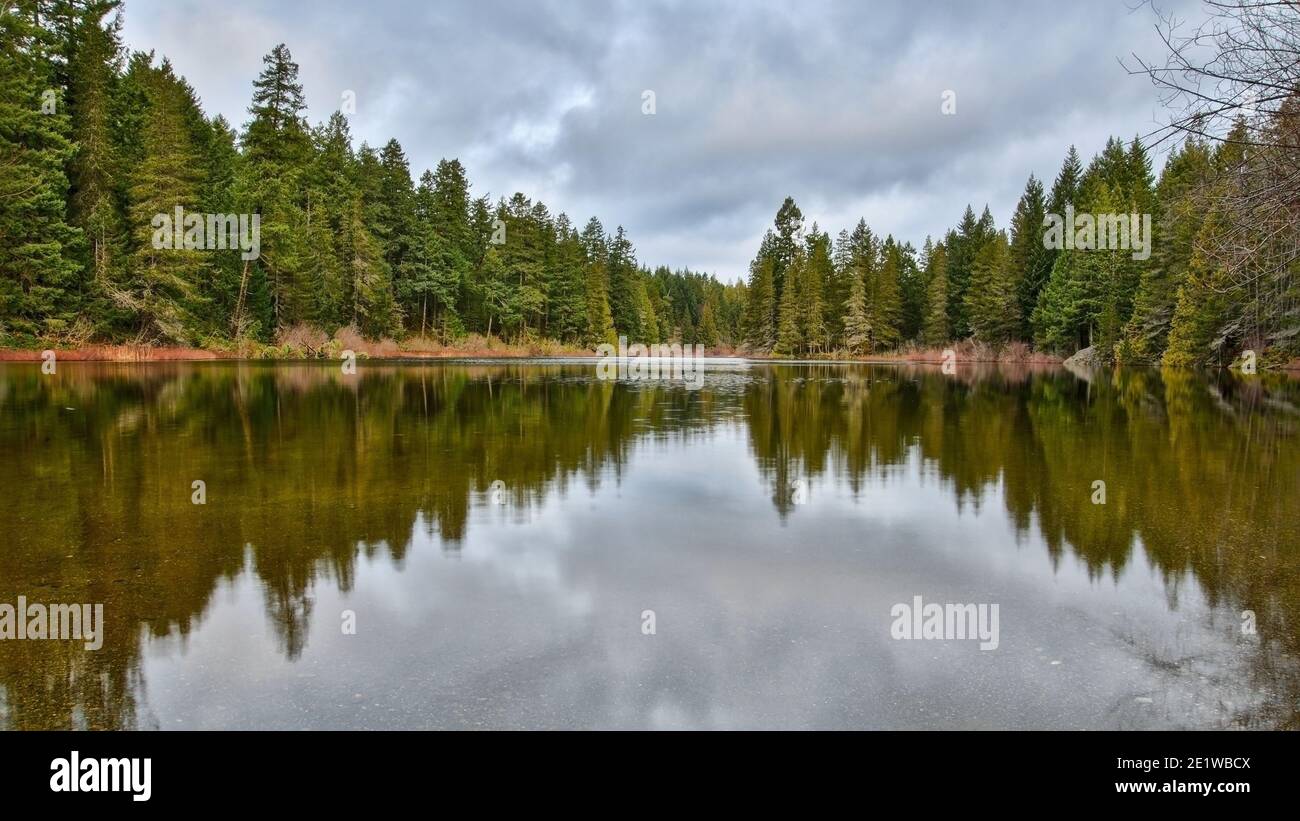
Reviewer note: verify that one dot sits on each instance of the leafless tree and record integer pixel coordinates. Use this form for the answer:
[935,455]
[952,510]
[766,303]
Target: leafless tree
[1234,79]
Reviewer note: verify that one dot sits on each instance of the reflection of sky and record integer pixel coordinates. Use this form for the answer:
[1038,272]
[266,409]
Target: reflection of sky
[761,621]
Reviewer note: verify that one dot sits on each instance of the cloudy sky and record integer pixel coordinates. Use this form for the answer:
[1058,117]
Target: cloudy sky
[835,104]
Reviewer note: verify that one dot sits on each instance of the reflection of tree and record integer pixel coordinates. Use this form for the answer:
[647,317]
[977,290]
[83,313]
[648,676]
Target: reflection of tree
[1205,474]
[307,471]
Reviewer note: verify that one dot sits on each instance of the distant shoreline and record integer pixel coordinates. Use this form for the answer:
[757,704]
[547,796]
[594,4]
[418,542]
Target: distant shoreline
[504,352]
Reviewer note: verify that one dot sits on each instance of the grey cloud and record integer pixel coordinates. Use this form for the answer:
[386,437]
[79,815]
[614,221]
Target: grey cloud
[836,104]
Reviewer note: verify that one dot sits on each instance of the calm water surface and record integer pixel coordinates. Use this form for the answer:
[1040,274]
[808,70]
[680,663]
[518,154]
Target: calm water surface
[499,530]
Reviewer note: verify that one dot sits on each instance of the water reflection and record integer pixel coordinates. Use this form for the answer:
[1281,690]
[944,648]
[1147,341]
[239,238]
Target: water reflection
[374,493]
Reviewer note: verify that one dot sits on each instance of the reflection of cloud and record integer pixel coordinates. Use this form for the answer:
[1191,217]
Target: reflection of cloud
[370,496]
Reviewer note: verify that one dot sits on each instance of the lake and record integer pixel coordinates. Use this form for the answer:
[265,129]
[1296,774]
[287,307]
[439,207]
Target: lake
[525,545]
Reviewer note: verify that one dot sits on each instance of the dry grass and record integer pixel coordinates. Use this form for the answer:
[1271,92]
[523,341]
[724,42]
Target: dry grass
[118,353]
[972,351]
[965,351]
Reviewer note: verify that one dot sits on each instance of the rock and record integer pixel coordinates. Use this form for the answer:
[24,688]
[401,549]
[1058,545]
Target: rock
[1089,357]
[1084,363]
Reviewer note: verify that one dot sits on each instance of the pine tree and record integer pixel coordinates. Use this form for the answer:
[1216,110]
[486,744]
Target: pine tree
[1030,259]
[837,288]
[39,274]
[884,296]
[95,202]
[708,332]
[1066,186]
[962,248]
[374,308]
[1181,215]
[277,148]
[857,325]
[817,273]
[219,284]
[449,220]
[600,321]
[566,290]
[912,292]
[331,196]
[992,303]
[789,335]
[622,285]
[760,324]
[786,242]
[161,292]
[936,330]
[404,253]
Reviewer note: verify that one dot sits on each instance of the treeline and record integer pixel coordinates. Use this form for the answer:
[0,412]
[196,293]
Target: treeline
[1181,304]
[97,142]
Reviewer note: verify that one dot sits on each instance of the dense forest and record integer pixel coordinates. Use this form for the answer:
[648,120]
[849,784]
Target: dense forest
[96,142]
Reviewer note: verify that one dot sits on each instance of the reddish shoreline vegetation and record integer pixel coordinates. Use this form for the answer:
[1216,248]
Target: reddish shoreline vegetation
[315,346]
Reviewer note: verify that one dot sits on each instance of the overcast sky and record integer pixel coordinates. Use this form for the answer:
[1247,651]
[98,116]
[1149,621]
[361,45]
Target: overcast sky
[835,104]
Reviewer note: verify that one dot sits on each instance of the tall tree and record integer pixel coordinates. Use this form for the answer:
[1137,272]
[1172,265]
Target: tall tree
[277,148]
[39,272]
[935,329]
[1029,256]
[992,302]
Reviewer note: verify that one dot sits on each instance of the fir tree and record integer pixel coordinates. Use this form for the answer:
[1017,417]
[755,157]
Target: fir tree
[992,303]
[935,329]
[857,325]
[39,273]
[1030,259]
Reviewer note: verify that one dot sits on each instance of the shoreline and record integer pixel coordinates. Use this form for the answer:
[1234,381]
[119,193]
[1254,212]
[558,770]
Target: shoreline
[127,354]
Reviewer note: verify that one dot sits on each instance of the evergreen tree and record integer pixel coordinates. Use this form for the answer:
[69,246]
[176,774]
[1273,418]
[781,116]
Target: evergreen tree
[566,295]
[936,330]
[817,275]
[447,218]
[1187,170]
[912,292]
[405,252]
[962,248]
[622,285]
[95,201]
[39,273]
[600,321]
[760,313]
[276,147]
[708,333]
[1030,259]
[1066,186]
[992,303]
[789,334]
[161,292]
[857,325]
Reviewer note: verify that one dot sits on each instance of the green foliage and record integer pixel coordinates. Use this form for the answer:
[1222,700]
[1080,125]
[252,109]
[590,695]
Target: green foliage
[39,272]
[97,144]
[993,300]
[935,329]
